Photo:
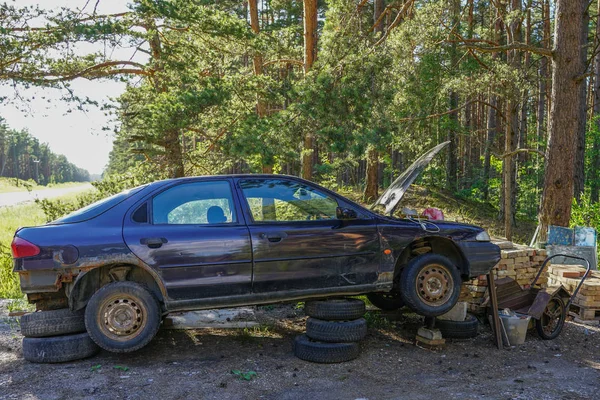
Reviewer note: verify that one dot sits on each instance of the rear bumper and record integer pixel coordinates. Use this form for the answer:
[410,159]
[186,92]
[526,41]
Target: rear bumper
[481,256]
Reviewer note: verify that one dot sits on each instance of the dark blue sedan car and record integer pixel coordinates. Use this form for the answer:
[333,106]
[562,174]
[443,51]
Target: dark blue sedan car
[223,241]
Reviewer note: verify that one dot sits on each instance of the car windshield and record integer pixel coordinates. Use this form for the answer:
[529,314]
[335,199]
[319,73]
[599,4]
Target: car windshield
[97,208]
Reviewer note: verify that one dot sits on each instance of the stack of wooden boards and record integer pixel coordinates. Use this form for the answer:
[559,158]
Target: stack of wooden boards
[586,305]
[518,262]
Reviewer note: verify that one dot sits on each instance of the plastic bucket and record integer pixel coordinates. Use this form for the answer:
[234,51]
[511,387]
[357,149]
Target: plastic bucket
[515,328]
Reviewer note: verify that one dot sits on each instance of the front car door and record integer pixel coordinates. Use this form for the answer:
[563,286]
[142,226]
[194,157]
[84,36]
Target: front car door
[193,233]
[297,241]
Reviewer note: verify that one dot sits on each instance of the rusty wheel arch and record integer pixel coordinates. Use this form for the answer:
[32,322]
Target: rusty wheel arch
[434,244]
[89,281]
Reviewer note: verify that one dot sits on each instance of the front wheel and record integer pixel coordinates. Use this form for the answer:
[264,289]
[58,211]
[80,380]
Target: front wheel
[430,284]
[122,317]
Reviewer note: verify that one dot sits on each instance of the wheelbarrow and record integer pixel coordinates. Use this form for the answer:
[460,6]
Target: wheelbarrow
[547,306]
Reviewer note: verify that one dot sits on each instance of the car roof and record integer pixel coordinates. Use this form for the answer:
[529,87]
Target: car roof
[229,176]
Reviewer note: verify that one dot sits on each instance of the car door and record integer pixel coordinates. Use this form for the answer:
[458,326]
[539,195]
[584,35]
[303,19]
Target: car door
[193,233]
[297,241]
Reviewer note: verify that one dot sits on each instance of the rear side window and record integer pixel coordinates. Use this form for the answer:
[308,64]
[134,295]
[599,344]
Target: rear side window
[196,203]
[141,214]
[97,208]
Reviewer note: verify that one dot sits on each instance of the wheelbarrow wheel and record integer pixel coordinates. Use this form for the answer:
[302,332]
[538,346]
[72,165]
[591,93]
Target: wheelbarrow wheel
[552,320]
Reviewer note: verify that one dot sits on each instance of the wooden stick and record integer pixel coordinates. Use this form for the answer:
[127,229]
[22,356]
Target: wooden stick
[494,306]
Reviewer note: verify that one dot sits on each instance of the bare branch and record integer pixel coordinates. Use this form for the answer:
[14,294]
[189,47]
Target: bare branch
[284,61]
[512,153]
[399,18]
[513,46]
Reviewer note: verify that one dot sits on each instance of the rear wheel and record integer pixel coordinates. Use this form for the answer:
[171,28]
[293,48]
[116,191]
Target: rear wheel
[552,320]
[122,317]
[430,284]
[386,301]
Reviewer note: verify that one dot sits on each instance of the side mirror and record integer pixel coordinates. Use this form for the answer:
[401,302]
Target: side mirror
[345,213]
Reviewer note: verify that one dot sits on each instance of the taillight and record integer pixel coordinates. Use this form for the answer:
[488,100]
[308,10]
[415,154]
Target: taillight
[23,248]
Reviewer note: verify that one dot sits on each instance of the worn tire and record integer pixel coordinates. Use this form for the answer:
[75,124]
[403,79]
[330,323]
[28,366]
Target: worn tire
[458,329]
[336,331]
[58,349]
[444,280]
[52,323]
[324,353]
[122,317]
[335,309]
[386,301]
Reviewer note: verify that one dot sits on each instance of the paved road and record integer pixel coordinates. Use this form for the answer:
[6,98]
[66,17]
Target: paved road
[14,198]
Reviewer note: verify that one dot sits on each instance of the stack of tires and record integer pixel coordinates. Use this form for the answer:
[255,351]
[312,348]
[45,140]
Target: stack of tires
[56,336]
[333,330]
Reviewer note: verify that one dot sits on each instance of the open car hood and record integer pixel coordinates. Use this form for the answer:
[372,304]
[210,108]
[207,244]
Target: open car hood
[392,196]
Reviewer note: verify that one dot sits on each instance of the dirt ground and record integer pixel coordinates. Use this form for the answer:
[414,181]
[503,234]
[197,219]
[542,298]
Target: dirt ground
[197,365]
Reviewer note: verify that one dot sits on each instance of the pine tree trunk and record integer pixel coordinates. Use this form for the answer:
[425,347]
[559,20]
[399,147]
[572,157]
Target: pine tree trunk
[452,160]
[257,61]
[595,157]
[372,173]
[310,52]
[512,132]
[579,179]
[372,186]
[567,65]
[489,141]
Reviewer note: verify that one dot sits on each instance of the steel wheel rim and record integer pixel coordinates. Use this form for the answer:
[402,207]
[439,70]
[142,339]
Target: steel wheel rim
[122,317]
[435,285]
[552,316]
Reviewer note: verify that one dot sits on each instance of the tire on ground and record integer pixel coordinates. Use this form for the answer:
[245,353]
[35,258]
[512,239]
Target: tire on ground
[336,331]
[122,317]
[386,301]
[430,284]
[52,323]
[58,349]
[324,353]
[335,309]
[458,329]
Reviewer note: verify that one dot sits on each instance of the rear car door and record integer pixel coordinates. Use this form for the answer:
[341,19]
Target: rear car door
[297,241]
[193,233]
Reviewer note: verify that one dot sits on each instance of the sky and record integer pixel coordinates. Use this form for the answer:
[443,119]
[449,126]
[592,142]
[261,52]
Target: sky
[76,134]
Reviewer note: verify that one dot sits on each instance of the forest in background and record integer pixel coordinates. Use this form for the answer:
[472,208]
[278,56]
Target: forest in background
[342,92]
[22,156]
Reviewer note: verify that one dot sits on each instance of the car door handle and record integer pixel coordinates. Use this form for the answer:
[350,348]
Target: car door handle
[153,243]
[274,237]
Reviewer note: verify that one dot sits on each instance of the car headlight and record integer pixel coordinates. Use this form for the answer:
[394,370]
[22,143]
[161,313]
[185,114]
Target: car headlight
[482,237]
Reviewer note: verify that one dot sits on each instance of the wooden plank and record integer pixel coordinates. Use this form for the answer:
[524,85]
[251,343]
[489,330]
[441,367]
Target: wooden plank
[494,306]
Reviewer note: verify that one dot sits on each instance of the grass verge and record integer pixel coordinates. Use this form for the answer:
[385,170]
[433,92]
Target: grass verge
[12,218]
[8,185]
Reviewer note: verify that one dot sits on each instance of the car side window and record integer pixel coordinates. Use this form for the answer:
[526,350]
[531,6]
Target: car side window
[195,203]
[286,200]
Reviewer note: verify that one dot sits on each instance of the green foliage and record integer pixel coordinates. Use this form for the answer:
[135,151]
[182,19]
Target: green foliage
[20,304]
[585,213]
[245,376]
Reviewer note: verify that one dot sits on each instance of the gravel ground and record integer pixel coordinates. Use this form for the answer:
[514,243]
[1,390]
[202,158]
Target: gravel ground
[197,364]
